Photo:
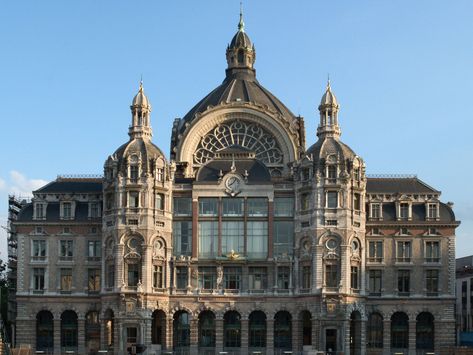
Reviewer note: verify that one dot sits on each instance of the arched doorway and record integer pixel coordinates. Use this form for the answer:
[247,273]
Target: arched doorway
[207,329]
[257,330]
[283,331]
[232,330]
[69,331]
[375,331]
[158,327]
[425,331]
[44,332]
[399,331]
[92,331]
[109,328]
[306,318]
[355,333]
[181,331]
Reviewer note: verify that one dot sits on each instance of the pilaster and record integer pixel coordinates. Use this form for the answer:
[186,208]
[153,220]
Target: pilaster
[270,337]
[386,336]
[412,336]
[244,336]
[81,335]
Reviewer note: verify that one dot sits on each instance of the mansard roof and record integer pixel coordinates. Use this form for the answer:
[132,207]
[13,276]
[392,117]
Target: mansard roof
[81,213]
[398,185]
[72,185]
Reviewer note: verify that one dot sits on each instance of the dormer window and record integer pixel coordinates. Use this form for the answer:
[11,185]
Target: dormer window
[331,172]
[94,210]
[357,174]
[40,211]
[134,172]
[432,211]
[66,210]
[403,210]
[376,210]
[160,174]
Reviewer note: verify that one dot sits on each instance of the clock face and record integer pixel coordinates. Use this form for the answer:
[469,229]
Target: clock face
[331,244]
[233,183]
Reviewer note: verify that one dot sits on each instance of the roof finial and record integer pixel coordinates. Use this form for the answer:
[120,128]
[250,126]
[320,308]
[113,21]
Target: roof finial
[328,81]
[241,24]
[141,83]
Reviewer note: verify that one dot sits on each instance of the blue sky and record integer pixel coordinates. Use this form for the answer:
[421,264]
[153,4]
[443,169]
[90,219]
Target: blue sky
[402,72]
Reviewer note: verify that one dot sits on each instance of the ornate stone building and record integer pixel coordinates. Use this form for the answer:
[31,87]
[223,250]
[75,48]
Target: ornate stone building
[244,241]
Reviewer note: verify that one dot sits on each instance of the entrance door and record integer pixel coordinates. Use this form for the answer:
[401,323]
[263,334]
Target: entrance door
[330,340]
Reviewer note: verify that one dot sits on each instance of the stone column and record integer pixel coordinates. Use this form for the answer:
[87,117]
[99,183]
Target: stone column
[244,336]
[147,328]
[57,335]
[346,326]
[412,336]
[386,336]
[218,335]
[363,336]
[194,336]
[81,335]
[296,334]
[269,336]
[315,332]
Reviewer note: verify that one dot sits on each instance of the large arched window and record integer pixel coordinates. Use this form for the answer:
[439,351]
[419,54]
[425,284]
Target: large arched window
[375,331]
[69,330]
[109,327]
[207,329]
[257,330]
[306,328]
[355,333]
[283,330]
[92,331]
[44,331]
[133,253]
[425,331]
[399,331]
[181,330]
[158,329]
[232,329]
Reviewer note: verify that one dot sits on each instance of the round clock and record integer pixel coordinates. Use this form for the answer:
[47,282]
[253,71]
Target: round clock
[331,243]
[233,183]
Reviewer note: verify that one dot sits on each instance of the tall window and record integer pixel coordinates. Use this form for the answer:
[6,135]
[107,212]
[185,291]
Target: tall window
[93,280]
[432,282]
[305,202]
[282,330]
[182,206]
[207,278]
[67,210]
[66,249]
[92,330]
[257,239]
[94,210]
[232,278]
[182,238]
[283,237]
[110,275]
[403,251]
[404,282]
[94,249]
[133,274]
[208,239]
[208,207]
[133,199]
[404,211]
[331,275]
[425,331]
[432,252]
[40,210]
[332,172]
[158,276]
[376,210]
[207,329]
[283,207]
[432,210]
[232,330]
[332,199]
[375,251]
[399,331]
[283,277]
[375,331]
[44,332]
[375,282]
[181,277]
[257,207]
[257,278]
[38,279]
[356,202]
[181,330]
[38,251]
[69,330]
[134,172]
[233,207]
[232,237]
[257,330]
[306,277]
[355,278]
[159,202]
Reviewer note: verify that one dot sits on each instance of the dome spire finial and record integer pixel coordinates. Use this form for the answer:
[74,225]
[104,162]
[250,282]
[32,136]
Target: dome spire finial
[328,109]
[241,24]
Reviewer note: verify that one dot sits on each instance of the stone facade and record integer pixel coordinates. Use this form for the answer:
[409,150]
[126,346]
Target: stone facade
[243,242]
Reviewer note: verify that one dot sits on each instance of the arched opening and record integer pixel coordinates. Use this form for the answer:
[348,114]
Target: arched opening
[283,331]
[355,333]
[158,327]
[425,331]
[92,331]
[399,331]
[207,329]
[306,328]
[232,329]
[44,332]
[69,331]
[375,331]
[109,328]
[241,56]
[257,330]
[181,330]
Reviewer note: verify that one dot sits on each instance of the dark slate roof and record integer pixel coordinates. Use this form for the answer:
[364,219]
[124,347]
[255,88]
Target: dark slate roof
[257,171]
[418,213]
[240,85]
[398,185]
[324,147]
[72,186]
[52,213]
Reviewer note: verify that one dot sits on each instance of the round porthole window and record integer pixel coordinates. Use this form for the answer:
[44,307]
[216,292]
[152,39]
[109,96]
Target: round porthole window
[331,243]
[355,245]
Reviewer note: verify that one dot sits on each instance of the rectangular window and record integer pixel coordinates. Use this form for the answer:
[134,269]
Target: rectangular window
[232,278]
[182,206]
[208,239]
[66,280]
[375,282]
[332,199]
[93,283]
[94,210]
[432,282]
[40,210]
[159,201]
[404,251]
[67,210]
[181,277]
[376,210]
[283,207]
[66,249]
[306,277]
[355,278]
[357,202]
[134,172]
[283,238]
[257,239]
[305,202]
[404,282]
[257,207]
[375,252]
[283,277]
[131,335]
[133,274]
[404,211]
[158,276]
[94,249]
[110,275]
[207,278]
[331,275]
[38,279]
[38,251]
[232,237]
[159,174]
[257,278]
[432,252]
[133,199]
[332,172]
[432,210]
[182,238]
[233,207]
[208,207]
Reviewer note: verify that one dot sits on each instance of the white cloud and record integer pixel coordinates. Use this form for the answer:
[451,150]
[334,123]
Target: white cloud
[22,186]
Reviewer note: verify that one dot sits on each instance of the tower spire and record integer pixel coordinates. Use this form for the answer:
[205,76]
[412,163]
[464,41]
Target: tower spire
[328,108]
[241,52]
[241,24]
[140,112]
